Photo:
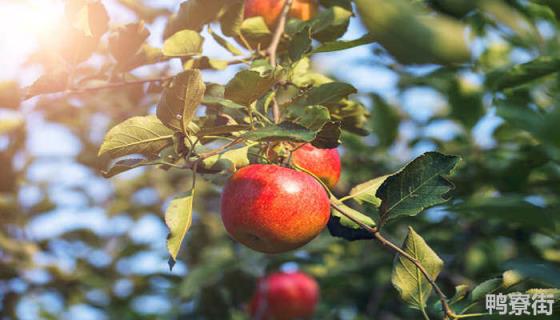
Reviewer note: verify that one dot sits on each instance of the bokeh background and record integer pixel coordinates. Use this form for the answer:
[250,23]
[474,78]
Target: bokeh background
[74,245]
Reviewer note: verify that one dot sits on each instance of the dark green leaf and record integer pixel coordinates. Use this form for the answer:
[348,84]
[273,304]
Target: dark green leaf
[247,86]
[194,14]
[416,187]
[328,93]
[385,121]
[300,44]
[344,45]
[523,73]
[281,132]
[311,117]
[328,136]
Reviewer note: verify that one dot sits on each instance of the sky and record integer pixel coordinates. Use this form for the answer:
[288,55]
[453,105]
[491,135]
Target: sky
[22,23]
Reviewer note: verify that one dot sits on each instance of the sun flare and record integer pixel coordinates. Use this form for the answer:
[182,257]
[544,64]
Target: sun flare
[25,22]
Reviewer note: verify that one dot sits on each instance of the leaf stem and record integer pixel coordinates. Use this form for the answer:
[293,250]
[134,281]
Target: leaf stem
[426,317]
[448,313]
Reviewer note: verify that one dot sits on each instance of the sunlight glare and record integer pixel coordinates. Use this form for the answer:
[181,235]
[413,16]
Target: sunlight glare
[23,24]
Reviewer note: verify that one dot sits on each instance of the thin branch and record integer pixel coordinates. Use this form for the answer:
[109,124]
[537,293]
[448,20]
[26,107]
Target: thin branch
[379,237]
[273,48]
[108,86]
[114,85]
[280,27]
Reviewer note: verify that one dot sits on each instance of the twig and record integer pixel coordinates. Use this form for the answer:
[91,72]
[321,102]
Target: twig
[379,237]
[114,85]
[273,48]
[107,86]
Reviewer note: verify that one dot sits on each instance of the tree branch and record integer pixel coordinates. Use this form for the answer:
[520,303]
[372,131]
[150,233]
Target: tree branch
[273,48]
[114,85]
[379,237]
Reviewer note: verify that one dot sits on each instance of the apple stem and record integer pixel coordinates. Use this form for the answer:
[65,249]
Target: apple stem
[448,312]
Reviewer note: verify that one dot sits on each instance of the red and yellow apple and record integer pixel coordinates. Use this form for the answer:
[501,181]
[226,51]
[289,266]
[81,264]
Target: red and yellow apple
[323,163]
[285,296]
[273,209]
[270,10]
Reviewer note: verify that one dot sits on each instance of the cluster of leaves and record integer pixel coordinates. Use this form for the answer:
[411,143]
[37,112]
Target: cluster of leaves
[501,224]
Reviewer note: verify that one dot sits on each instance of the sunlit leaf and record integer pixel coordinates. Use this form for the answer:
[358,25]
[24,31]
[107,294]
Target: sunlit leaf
[178,218]
[413,287]
[180,99]
[137,135]
[184,43]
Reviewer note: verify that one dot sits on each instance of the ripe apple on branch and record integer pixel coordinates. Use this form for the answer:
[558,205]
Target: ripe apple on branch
[274,200]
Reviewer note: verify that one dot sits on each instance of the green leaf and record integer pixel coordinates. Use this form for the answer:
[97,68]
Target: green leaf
[366,192]
[328,136]
[194,14]
[282,132]
[300,44]
[331,23]
[255,29]
[344,45]
[385,121]
[137,135]
[328,93]
[486,287]
[311,117]
[232,19]
[178,218]
[341,226]
[413,287]
[224,43]
[412,34]
[180,99]
[184,43]
[248,85]
[10,95]
[230,160]
[416,187]
[545,273]
[461,291]
[513,76]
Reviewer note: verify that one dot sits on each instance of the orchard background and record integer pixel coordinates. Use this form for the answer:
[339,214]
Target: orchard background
[475,83]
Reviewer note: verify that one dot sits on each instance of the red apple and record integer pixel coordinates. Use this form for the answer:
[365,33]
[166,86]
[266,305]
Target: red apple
[274,209]
[285,296]
[323,163]
[270,10]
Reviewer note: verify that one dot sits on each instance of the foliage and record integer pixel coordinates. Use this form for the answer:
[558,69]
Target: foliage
[499,233]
